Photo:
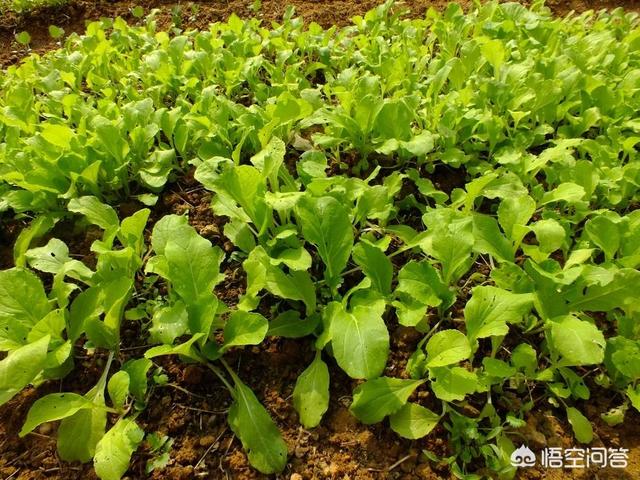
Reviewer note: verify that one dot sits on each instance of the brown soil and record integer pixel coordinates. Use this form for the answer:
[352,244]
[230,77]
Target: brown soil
[198,14]
[9,230]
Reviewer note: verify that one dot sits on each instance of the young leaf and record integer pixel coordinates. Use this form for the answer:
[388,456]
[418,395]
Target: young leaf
[375,265]
[169,323]
[21,367]
[359,338]
[96,212]
[137,370]
[576,342]
[447,347]
[261,273]
[634,396]
[581,426]
[79,433]
[489,239]
[244,328]
[514,214]
[118,388]
[605,233]
[413,421]
[419,287]
[491,309]
[453,384]
[54,406]
[256,430]
[290,325]
[23,303]
[114,450]
[377,398]
[325,223]
[620,292]
[311,393]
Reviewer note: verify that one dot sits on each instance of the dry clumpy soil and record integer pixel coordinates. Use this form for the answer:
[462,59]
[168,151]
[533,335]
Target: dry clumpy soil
[192,407]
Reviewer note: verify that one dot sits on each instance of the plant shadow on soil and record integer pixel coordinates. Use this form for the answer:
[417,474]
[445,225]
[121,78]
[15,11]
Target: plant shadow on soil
[192,407]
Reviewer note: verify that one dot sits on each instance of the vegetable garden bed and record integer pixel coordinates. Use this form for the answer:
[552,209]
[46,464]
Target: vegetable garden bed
[395,249]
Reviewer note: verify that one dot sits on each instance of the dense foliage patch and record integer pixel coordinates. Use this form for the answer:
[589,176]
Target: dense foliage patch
[22,6]
[473,176]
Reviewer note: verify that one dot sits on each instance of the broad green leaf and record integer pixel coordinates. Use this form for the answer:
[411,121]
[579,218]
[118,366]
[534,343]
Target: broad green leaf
[23,303]
[453,384]
[185,349]
[491,309]
[58,135]
[375,265]
[96,212]
[244,328]
[605,233]
[269,159]
[325,223]
[447,347]
[514,214]
[618,293]
[262,274]
[294,259]
[290,325]
[137,370]
[450,243]
[419,287]
[79,434]
[489,239]
[634,396]
[413,421]
[169,323]
[54,258]
[52,325]
[118,388]
[54,406]
[114,450]
[377,398]
[567,192]
[192,265]
[494,52]
[360,339]
[627,360]
[111,138]
[21,367]
[311,393]
[259,435]
[245,186]
[581,426]
[576,342]
[131,233]
[498,368]
[38,227]
[550,235]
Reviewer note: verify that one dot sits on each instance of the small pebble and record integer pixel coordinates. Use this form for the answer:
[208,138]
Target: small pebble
[45,428]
